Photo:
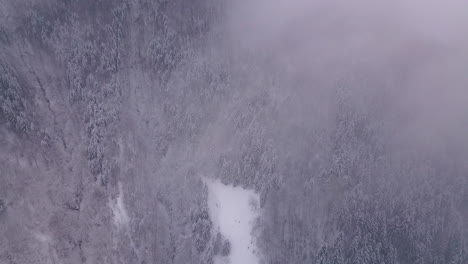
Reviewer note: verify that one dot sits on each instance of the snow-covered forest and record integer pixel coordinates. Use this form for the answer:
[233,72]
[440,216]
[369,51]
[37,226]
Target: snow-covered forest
[229,131]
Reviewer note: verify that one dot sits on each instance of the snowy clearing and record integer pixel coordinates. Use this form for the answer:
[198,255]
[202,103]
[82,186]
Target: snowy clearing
[233,211]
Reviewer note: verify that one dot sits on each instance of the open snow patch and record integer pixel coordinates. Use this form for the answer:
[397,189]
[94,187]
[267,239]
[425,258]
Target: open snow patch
[118,209]
[234,211]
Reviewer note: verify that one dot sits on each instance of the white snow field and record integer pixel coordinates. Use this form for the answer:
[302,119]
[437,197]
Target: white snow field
[233,211]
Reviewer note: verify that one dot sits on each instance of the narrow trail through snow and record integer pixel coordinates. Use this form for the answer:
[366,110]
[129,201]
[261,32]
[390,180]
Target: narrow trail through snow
[233,211]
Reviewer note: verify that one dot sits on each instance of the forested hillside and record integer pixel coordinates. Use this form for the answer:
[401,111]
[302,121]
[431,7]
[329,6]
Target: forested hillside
[349,122]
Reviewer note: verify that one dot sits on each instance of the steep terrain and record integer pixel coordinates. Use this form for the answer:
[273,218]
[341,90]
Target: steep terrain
[348,121]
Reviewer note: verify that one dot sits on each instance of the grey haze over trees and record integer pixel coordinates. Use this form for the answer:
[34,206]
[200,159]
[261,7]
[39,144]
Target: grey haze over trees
[348,119]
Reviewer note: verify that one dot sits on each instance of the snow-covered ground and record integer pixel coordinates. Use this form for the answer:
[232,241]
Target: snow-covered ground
[233,211]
